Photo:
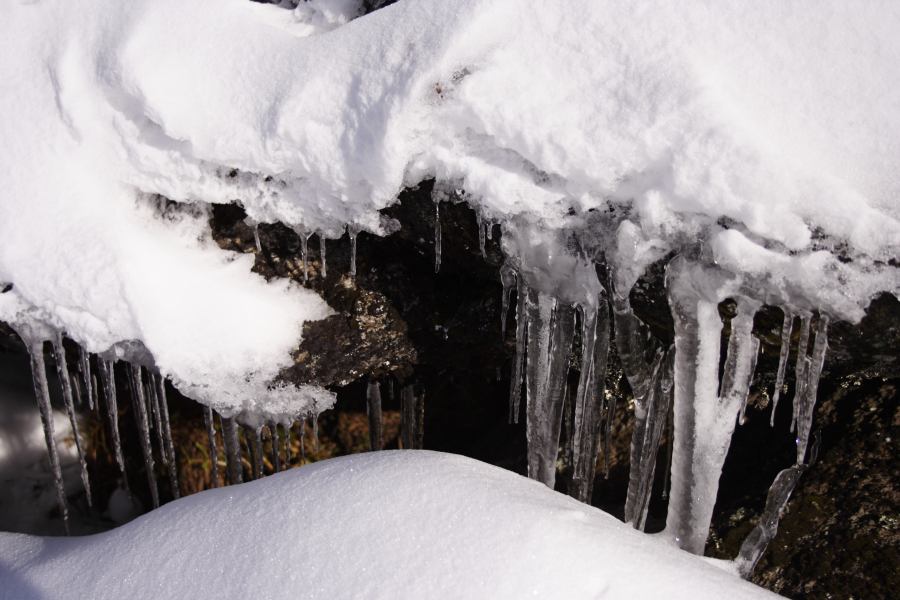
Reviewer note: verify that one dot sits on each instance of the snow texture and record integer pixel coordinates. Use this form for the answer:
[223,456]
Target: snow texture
[397,524]
[767,134]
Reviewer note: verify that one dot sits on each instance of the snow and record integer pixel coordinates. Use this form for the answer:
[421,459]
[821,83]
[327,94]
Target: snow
[776,121]
[396,524]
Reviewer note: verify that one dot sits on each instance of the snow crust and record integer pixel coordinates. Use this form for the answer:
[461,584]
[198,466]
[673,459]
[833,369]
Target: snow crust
[398,524]
[764,138]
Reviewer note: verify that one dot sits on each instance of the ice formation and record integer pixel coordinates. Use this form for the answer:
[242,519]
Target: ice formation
[748,147]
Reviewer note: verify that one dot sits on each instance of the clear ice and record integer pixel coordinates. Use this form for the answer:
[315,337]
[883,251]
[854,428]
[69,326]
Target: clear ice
[108,375]
[373,410]
[209,420]
[322,249]
[139,405]
[515,388]
[232,450]
[168,447]
[65,382]
[786,327]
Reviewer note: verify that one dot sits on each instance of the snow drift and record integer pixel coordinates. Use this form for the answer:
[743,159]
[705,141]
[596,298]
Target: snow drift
[402,524]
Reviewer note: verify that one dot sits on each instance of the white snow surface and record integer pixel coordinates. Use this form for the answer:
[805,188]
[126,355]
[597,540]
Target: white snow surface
[766,133]
[395,524]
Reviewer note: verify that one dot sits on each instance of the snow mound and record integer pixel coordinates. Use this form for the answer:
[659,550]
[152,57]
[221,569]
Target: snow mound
[761,138]
[400,524]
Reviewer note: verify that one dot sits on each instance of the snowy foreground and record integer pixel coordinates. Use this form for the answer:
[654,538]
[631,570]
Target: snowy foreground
[401,524]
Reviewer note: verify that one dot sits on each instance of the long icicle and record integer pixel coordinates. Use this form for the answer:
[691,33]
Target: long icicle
[786,327]
[65,382]
[276,450]
[84,368]
[169,444]
[807,402]
[108,375]
[515,384]
[801,368]
[551,330]
[152,396]
[508,278]
[589,399]
[304,251]
[373,410]
[352,234]
[437,236]
[139,406]
[42,397]
[209,420]
[322,249]
[254,438]
[232,450]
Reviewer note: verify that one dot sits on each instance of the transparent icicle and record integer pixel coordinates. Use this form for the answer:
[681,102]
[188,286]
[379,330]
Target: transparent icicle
[84,368]
[65,382]
[608,417]
[756,542]
[481,237]
[139,405]
[419,441]
[314,419]
[232,450]
[209,420]
[304,251]
[408,416]
[352,233]
[551,330]
[437,236]
[515,385]
[645,445]
[256,239]
[108,375]
[150,393]
[373,410]
[322,248]
[168,443]
[302,440]
[589,399]
[508,278]
[42,397]
[801,368]
[786,327]
[254,439]
[807,402]
[276,449]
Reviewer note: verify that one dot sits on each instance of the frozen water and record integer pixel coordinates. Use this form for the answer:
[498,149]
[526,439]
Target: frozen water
[373,410]
[142,420]
[65,381]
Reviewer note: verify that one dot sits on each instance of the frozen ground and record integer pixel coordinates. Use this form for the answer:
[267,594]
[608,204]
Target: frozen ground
[397,524]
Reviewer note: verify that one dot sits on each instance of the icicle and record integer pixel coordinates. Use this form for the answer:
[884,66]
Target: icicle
[515,387]
[304,251]
[62,373]
[373,410]
[322,249]
[670,441]
[786,327]
[254,437]
[42,397]
[84,367]
[419,441]
[209,420]
[302,440]
[551,329]
[704,420]
[139,405]
[108,374]
[95,394]
[152,396]
[608,417]
[437,236]
[589,398]
[508,278]
[352,233]
[256,238]
[802,367]
[168,443]
[646,446]
[742,416]
[232,450]
[276,450]
[315,430]
[407,417]
[807,402]
[481,237]
[756,542]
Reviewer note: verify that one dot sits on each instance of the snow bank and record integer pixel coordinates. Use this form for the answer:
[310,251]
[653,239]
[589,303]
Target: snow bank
[401,524]
[642,127]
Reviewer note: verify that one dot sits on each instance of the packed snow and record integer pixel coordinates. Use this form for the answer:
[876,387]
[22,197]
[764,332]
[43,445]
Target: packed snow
[395,524]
